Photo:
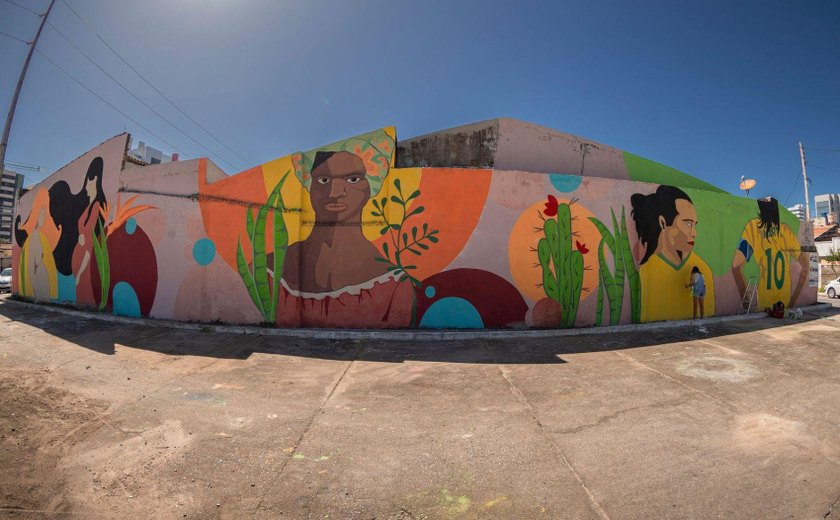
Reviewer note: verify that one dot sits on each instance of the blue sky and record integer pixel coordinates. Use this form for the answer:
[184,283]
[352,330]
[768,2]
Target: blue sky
[716,89]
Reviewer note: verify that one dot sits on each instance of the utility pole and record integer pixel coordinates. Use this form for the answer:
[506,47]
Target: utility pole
[4,142]
[805,180]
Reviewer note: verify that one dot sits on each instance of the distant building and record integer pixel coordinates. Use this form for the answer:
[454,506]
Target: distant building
[148,155]
[10,185]
[827,208]
[799,211]
[827,239]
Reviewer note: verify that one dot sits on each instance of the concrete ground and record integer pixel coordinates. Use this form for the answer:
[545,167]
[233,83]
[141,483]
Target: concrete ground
[727,420]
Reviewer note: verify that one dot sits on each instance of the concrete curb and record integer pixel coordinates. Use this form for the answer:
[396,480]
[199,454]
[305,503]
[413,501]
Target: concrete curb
[402,335]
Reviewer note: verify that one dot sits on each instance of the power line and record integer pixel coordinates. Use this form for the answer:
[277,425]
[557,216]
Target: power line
[823,149]
[56,65]
[22,7]
[176,127]
[795,182]
[824,168]
[247,162]
[14,38]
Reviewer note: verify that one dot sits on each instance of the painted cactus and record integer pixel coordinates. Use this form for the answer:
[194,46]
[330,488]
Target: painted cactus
[256,275]
[562,264]
[612,282]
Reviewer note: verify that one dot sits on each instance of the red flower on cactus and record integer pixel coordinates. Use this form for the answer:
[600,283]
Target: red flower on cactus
[581,247]
[551,206]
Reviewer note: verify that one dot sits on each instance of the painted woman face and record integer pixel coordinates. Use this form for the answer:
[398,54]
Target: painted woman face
[678,238]
[339,188]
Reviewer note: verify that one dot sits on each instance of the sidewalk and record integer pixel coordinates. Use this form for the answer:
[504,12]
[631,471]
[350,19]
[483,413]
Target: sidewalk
[113,420]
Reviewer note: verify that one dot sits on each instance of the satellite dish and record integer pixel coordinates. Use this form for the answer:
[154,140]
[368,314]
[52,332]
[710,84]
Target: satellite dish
[746,185]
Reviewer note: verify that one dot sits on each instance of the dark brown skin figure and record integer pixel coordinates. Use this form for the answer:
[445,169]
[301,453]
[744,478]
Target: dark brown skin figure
[336,254]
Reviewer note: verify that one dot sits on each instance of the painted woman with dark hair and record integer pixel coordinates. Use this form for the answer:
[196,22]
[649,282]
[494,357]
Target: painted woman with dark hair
[75,215]
[666,222]
[774,246]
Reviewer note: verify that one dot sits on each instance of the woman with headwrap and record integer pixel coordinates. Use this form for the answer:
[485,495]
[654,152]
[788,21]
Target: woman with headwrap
[332,278]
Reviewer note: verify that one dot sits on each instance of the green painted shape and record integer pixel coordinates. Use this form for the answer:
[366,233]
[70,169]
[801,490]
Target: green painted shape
[644,170]
[721,220]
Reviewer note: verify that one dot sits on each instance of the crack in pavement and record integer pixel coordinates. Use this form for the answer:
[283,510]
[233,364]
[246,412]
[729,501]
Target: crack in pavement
[593,502]
[619,413]
[723,404]
[308,426]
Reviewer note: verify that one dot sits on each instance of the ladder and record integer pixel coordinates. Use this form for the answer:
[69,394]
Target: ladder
[749,296]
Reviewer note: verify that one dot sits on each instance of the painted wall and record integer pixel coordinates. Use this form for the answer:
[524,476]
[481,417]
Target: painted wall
[339,237]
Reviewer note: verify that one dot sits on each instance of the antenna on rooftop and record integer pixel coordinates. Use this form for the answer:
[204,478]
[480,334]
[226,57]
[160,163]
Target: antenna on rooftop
[746,185]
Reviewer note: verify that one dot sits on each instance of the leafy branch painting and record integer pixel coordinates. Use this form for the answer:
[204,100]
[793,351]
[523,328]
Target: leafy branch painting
[611,282]
[256,275]
[419,240]
[562,265]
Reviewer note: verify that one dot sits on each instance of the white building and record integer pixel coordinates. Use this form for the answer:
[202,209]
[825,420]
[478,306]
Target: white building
[150,155]
[10,185]
[799,211]
[827,208]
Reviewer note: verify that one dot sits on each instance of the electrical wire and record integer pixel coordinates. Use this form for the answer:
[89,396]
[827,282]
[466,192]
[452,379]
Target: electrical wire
[176,127]
[25,166]
[22,7]
[14,38]
[795,182]
[246,161]
[56,65]
[824,168]
[822,149]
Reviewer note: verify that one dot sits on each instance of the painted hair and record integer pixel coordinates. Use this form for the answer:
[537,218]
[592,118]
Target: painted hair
[94,173]
[768,214]
[646,212]
[67,208]
[20,234]
[375,149]
[695,269]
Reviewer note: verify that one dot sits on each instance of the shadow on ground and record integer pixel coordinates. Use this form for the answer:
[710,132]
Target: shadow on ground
[102,337]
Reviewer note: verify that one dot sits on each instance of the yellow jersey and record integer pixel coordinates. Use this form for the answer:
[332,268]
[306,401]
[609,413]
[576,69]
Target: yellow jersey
[773,255]
[664,292]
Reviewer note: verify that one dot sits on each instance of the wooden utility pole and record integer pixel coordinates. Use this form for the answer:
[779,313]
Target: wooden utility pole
[8,128]
[805,180]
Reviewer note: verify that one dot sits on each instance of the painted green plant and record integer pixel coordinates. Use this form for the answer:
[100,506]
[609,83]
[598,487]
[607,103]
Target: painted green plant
[561,263]
[103,264]
[255,276]
[106,226]
[401,243]
[22,272]
[415,242]
[612,282]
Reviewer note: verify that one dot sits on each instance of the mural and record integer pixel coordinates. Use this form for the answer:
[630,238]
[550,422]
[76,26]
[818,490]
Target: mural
[667,226]
[775,248]
[339,237]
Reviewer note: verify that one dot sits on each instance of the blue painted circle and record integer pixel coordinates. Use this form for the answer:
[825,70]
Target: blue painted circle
[565,183]
[204,251]
[451,313]
[130,226]
[124,300]
[430,292]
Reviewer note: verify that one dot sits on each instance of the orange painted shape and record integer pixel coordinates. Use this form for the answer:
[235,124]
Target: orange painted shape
[223,205]
[453,200]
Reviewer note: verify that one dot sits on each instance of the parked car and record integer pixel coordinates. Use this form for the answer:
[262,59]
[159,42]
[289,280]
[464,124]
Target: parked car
[832,288]
[6,280]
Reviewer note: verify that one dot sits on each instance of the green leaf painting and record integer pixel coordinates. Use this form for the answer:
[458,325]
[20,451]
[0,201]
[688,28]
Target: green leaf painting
[255,276]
